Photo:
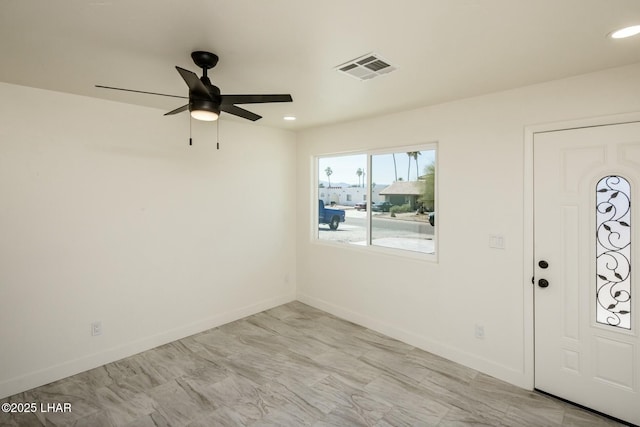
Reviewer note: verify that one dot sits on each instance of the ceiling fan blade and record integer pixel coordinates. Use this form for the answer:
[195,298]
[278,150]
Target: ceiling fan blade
[178,110]
[254,99]
[240,112]
[195,85]
[140,91]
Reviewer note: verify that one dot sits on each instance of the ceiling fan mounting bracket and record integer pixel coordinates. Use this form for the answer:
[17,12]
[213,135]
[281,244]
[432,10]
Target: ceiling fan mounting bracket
[204,60]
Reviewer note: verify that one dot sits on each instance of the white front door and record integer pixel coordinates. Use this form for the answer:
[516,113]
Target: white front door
[587,267]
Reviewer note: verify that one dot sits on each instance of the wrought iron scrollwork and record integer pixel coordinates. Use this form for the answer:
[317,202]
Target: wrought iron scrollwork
[613,252]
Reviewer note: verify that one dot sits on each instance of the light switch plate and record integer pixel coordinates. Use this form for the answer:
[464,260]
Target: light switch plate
[496,241]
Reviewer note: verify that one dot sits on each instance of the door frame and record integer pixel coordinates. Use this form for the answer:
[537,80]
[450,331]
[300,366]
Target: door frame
[528,239]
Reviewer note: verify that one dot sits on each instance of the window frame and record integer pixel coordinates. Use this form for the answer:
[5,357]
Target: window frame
[368,247]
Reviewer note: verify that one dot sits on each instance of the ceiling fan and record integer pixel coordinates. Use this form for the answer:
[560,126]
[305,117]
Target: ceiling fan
[205,100]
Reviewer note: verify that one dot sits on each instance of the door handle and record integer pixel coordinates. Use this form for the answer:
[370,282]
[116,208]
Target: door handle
[543,283]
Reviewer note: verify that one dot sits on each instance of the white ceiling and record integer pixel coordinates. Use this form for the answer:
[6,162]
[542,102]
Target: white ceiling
[444,49]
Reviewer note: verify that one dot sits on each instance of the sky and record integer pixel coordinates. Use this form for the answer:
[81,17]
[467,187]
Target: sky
[344,167]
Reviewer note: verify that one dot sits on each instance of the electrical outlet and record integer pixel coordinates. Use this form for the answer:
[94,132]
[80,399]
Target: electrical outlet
[96,328]
[479,331]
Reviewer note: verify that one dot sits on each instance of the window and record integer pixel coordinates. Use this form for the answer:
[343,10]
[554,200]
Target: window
[400,218]
[379,199]
[339,177]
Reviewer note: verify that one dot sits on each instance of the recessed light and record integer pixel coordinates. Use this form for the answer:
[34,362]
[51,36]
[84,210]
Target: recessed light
[289,118]
[623,33]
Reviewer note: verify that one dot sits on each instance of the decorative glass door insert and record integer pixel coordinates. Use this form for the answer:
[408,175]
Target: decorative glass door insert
[613,252]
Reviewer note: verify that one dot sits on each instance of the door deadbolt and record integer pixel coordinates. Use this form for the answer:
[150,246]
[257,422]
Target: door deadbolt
[543,264]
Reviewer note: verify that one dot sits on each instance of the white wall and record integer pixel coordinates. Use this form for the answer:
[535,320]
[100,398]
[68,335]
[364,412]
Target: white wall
[107,214]
[481,181]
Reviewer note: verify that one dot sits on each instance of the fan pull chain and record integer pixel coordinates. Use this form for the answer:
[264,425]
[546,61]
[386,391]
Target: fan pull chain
[218,134]
[190,140]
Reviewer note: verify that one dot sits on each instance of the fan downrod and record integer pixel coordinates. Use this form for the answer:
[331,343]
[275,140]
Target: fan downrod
[204,60]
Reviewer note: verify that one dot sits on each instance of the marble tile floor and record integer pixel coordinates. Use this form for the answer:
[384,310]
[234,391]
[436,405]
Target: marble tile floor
[292,365]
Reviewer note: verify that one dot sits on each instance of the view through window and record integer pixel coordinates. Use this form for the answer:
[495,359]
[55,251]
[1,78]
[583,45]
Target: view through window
[342,188]
[384,199]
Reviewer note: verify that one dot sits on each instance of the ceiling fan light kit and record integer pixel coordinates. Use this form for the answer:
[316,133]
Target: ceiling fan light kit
[205,110]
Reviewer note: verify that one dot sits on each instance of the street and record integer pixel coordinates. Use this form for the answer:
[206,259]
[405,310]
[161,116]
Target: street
[405,232]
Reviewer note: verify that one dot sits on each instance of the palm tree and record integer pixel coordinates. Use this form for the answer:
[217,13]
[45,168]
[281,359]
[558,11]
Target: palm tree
[359,172]
[329,172]
[414,155]
[395,166]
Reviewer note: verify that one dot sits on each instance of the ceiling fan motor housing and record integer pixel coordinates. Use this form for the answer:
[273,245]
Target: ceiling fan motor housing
[213,90]
[199,104]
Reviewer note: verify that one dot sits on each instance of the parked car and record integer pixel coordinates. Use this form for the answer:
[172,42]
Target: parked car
[381,207]
[362,206]
[333,217]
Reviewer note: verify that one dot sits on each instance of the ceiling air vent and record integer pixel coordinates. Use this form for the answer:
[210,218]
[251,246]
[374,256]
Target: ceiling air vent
[366,67]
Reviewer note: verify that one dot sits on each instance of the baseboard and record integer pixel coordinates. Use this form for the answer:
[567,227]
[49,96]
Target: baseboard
[504,373]
[85,363]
